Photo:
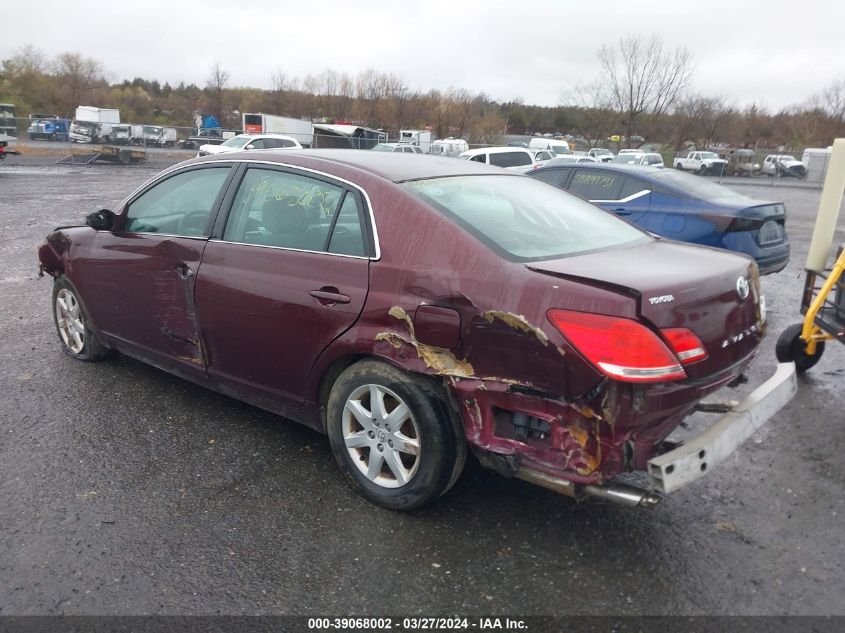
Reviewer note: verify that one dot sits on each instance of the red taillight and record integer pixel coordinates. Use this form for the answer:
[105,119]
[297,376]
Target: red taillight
[620,348]
[686,345]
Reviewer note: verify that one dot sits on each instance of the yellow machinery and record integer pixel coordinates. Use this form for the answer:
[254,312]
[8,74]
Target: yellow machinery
[823,301]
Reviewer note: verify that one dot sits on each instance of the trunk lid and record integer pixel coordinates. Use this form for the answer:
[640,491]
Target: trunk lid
[680,286]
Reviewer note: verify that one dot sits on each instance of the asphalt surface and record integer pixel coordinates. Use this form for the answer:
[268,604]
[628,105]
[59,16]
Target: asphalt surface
[124,490]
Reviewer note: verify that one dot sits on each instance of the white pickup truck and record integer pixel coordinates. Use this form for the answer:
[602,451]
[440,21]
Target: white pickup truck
[702,163]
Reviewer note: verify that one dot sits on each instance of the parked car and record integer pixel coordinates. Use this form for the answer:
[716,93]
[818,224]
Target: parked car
[784,165]
[251,141]
[5,139]
[557,146]
[208,136]
[701,163]
[291,280]
[513,158]
[652,159]
[406,148]
[601,154]
[743,162]
[682,207]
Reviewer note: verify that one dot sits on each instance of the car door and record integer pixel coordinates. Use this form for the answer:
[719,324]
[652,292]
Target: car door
[626,196]
[285,275]
[138,279]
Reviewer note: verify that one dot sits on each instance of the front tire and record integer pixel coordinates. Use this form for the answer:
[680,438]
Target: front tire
[73,325]
[393,435]
[792,348]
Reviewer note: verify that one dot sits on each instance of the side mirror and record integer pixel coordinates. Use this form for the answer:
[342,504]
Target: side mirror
[102,220]
[250,146]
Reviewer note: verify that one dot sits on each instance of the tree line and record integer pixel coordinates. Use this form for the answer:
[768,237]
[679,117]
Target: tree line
[644,92]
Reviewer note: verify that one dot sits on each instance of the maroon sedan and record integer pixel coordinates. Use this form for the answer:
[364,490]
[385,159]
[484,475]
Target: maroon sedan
[414,308]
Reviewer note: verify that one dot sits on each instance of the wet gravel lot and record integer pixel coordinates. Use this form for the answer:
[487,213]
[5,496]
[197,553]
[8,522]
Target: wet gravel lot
[128,491]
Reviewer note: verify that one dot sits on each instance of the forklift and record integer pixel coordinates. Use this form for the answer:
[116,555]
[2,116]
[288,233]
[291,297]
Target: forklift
[823,300]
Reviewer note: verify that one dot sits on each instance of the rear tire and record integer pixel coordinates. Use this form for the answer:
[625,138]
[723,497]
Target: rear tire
[792,348]
[73,325]
[393,435]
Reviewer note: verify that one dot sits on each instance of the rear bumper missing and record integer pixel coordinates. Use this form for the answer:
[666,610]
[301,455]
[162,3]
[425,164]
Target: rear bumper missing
[697,457]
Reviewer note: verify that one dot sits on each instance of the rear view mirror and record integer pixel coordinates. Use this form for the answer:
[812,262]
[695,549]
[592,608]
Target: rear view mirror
[102,220]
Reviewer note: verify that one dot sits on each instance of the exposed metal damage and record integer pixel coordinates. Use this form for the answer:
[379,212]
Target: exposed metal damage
[441,361]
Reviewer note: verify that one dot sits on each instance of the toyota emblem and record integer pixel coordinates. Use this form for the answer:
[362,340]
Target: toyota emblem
[742,287]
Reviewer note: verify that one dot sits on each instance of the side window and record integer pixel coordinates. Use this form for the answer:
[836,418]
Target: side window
[347,236]
[180,205]
[278,142]
[257,144]
[479,158]
[550,176]
[594,184]
[276,208]
[632,186]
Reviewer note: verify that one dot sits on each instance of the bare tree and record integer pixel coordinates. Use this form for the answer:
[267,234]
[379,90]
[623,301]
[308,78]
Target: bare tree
[595,110]
[644,79]
[215,87]
[699,119]
[78,76]
[281,85]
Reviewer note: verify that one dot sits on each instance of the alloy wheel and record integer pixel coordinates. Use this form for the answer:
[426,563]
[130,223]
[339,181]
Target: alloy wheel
[381,435]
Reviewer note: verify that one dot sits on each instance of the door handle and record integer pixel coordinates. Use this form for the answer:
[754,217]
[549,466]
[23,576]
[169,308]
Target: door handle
[330,296]
[621,212]
[184,271]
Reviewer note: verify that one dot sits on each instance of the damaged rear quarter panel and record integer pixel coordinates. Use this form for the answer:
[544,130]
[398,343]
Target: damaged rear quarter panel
[502,347]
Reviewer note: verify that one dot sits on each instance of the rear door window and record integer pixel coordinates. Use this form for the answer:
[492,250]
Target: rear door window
[596,184]
[288,210]
[631,187]
[551,176]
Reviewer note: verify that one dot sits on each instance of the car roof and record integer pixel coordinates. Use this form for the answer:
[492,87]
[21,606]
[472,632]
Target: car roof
[394,167]
[641,170]
[494,150]
[263,135]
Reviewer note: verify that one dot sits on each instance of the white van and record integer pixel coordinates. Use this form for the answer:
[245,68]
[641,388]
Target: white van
[515,158]
[558,147]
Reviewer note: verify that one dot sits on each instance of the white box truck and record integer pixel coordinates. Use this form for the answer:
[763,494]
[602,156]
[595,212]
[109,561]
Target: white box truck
[420,138]
[93,125]
[259,123]
[127,134]
[159,136]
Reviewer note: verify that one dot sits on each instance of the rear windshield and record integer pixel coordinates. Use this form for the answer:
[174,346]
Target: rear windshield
[694,186]
[510,159]
[524,219]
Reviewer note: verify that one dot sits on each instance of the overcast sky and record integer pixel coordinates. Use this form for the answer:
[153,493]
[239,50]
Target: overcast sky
[772,52]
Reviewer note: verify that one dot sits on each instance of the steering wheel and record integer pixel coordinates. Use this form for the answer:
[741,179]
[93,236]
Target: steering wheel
[193,223]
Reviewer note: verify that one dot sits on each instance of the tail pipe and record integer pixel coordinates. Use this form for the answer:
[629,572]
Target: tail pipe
[622,494]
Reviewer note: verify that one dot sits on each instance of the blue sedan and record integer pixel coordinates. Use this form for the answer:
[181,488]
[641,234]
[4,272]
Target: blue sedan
[681,207]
